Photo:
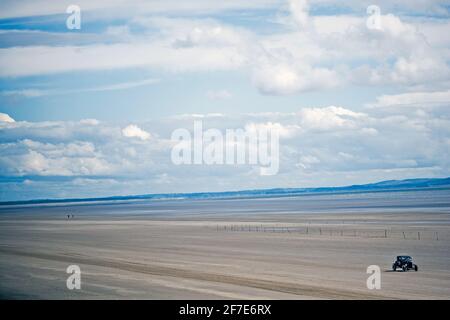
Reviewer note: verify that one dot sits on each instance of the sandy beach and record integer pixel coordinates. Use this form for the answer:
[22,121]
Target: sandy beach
[226,249]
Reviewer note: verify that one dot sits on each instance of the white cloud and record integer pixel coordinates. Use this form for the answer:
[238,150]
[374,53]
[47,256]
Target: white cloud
[91,122]
[416,69]
[307,161]
[303,52]
[26,61]
[190,116]
[33,93]
[299,10]
[5,118]
[120,8]
[122,86]
[398,54]
[120,31]
[312,53]
[29,157]
[133,131]
[176,45]
[331,117]
[28,93]
[288,79]
[414,99]
[343,145]
[283,130]
[219,95]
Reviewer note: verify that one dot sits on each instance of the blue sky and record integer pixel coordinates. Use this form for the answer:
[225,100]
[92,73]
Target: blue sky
[354,104]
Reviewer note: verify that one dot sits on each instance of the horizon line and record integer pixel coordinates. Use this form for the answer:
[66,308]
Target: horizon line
[266,192]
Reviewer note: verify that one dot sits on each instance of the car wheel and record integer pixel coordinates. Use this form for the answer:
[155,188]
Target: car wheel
[416,268]
[404,268]
[394,267]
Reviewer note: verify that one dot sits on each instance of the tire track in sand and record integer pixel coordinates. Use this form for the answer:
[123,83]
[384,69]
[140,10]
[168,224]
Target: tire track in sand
[157,270]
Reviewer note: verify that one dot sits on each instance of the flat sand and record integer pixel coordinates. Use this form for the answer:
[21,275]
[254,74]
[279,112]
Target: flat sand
[255,249]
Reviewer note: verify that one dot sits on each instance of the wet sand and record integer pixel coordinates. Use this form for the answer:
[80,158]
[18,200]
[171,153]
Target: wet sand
[211,249]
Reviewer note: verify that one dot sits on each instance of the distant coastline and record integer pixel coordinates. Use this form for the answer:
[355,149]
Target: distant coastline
[388,185]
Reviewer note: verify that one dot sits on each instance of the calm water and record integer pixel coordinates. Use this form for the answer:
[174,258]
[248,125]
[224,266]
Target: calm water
[386,201]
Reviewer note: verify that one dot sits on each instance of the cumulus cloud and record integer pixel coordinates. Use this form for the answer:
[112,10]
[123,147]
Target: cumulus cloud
[133,131]
[312,53]
[294,51]
[85,148]
[318,146]
[29,157]
[285,79]
[299,10]
[282,130]
[331,117]
[399,53]
[5,118]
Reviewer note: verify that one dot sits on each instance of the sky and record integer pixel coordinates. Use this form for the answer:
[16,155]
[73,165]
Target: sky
[355,97]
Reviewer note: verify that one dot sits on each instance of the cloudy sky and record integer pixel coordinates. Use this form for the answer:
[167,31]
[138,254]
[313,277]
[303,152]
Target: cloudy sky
[90,112]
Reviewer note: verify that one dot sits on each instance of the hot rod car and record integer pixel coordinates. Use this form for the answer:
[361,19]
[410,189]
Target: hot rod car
[405,263]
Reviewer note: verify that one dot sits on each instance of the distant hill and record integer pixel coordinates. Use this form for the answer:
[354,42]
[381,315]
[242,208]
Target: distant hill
[389,185]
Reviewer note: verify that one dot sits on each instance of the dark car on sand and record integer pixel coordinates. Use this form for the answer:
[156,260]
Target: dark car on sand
[405,263]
